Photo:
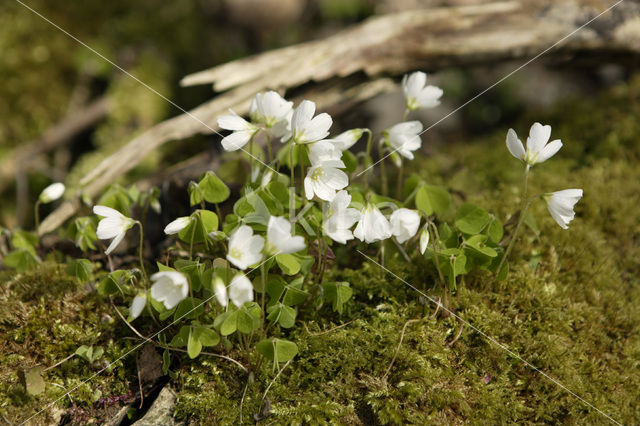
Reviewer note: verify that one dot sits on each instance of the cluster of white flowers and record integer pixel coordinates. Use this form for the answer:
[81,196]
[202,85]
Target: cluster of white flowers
[539,149]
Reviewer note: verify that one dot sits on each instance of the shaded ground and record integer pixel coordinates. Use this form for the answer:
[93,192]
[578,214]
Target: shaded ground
[569,306]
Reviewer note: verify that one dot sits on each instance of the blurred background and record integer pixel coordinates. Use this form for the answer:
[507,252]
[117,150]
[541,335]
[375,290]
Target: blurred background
[63,109]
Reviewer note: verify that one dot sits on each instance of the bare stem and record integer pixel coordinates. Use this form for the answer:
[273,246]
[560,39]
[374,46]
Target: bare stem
[140,252]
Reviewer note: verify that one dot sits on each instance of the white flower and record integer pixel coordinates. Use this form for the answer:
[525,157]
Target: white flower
[538,150]
[114,225]
[323,181]
[560,205]
[177,225]
[417,95]
[326,153]
[305,128]
[373,226]
[424,239]
[404,224]
[220,291]
[266,178]
[240,290]
[405,138]
[170,287]
[137,305]
[279,238]
[346,140]
[51,193]
[245,249]
[340,218]
[270,108]
[243,131]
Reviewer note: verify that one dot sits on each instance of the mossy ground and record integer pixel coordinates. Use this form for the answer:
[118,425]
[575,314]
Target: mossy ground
[570,306]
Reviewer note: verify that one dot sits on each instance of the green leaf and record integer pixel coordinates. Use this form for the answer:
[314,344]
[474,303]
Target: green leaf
[166,361]
[193,344]
[495,231]
[206,336]
[477,242]
[21,260]
[350,161]
[338,293]
[471,219]
[288,263]
[24,240]
[83,231]
[189,308]
[181,339]
[205,221]
[294,296]
[277,350]
[230,324]
[248,318]
[32,380]
[211,188]
[432,199]
[80,268]
[282,314]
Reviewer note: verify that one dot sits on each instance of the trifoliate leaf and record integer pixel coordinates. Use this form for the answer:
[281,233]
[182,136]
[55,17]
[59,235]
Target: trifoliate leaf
[471,219]
[288,263]
[338,293]
[432,199]
[277,350]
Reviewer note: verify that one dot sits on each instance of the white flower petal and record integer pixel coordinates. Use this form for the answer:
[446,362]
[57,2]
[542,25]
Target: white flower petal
[538,136]
[549,150]
[515,145]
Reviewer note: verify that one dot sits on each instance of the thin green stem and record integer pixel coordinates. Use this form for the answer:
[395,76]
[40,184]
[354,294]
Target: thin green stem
[436,239]
[263,276]
[251,155]
[523,213]
[406,114]
[400,178]
[383,170]
[291,164]
[269,147]
[526,183]
[193,236]
[367,159]
[140,252]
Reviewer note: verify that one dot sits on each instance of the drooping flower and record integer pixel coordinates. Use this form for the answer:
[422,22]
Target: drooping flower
[560,205]
[417,94]
[245,249]
[243,131]
[340,218]
[271,109]
[114,225]
[177,225]
[169,287]
[137,305]
[538,150]
[240,290]
[373,226]
[220,291]
[323,181]
[305,128]
[405,138]
[404,224]
[346,140]
[424,239]
[279,238]
[51,193]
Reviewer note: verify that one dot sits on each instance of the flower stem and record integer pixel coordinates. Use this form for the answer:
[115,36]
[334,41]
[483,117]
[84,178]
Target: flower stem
[291,164]
[367,159]
[383,171]
[406,114]
[269,148]
[251,156]
[400,177]
[436,239]
[514,236]
[263,275]
[140,251]
[526,183]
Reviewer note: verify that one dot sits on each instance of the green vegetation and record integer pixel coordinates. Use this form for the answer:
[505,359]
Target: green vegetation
[569,306]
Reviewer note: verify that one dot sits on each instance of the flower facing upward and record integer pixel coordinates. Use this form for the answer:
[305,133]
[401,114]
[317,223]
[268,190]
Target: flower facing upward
[243,131]
[340,218]
[560,205]
[424,239]
[114,225]
[271,109]
[220,291]
[538,150]
[404,224]
[373,226]
[279,238]
[417,94]
[51,193]
[405,138]
[169,287]
[305,128]
[327,153]
[245,249]
[177,225]
[323,181]
[240,290]
[137,305]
